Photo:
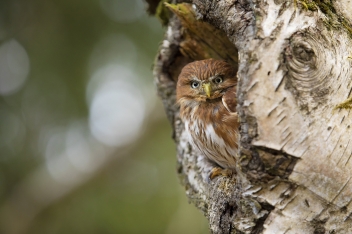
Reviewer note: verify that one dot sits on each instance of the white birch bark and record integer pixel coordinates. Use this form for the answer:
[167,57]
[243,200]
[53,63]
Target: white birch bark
[295,81]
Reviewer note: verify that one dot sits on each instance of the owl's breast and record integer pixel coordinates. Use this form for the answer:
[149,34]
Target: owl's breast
[214,139]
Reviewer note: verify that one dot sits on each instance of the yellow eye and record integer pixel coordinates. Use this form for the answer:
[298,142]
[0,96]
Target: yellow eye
[195,84]
[217,80]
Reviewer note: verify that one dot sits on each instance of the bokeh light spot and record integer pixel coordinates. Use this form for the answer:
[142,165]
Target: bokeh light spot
[117,109]
[14,67]
[57,163]
[78,149]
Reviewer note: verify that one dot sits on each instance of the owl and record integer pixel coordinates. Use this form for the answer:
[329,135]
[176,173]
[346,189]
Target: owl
[206,95]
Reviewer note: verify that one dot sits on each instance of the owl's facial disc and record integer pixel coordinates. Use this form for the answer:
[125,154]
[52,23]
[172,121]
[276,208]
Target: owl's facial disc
[204,81]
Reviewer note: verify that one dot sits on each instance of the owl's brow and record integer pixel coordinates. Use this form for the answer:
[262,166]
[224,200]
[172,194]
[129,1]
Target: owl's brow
[216,75]
[195,78]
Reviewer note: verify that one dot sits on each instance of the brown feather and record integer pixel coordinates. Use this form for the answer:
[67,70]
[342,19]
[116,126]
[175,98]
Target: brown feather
[229,99]
[211,122]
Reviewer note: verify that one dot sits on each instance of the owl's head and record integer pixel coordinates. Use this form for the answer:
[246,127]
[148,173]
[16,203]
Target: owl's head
[204,81]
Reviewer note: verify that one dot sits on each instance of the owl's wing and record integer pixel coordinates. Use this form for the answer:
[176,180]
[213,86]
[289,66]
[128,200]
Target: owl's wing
[229,99]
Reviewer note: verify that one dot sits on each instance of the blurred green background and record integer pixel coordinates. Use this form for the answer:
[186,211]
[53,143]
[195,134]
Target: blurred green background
[85,146]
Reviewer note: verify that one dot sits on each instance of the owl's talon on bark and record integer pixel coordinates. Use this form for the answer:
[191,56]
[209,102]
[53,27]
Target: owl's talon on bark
[217,171]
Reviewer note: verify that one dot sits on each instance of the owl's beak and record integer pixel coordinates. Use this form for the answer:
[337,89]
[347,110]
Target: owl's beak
[207,89]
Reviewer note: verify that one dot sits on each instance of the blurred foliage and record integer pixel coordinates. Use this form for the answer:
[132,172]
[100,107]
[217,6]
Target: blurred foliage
[135,189]
[138,195]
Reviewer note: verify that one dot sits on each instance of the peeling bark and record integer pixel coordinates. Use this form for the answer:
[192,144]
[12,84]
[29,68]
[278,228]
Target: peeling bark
[294,70]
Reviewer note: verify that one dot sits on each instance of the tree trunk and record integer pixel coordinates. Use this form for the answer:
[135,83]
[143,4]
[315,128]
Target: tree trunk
[294,83]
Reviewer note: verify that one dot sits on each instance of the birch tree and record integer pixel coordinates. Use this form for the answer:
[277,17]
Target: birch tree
[294,89]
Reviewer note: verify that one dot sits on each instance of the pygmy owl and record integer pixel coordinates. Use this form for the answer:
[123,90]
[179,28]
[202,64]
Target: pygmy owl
[206,94]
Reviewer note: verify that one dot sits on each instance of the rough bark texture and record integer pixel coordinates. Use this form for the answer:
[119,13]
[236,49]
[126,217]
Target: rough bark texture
[294,70]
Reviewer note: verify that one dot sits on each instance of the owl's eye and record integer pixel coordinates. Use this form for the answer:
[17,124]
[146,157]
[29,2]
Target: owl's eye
[194,84]
[217,80]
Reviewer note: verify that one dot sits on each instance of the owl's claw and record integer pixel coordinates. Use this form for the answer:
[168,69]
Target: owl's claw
[217,171]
